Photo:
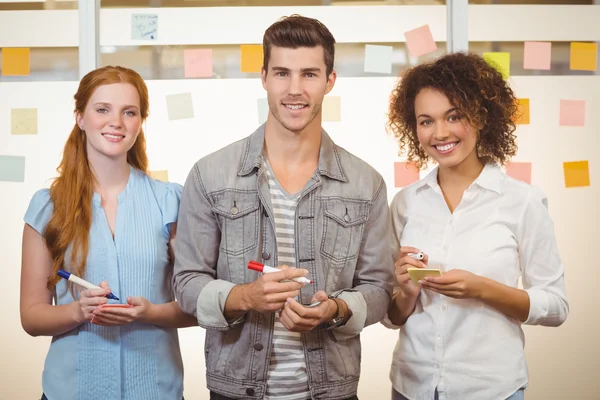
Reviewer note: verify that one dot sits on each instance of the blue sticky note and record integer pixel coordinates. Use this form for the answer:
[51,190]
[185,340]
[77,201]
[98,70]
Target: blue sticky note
[12,169]
[144,26]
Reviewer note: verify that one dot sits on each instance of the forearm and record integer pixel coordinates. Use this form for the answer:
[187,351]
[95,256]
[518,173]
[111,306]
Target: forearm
[401,307]
[508,300]
[170,315]
[50,320]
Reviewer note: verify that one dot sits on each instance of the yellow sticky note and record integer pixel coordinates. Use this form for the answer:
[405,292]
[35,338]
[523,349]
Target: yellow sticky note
[584,56]
[162,175]
[416,274]
[577,174]
[23,121]
[523,117]
[15,61]
[500,61]
[331,108]
[252,57]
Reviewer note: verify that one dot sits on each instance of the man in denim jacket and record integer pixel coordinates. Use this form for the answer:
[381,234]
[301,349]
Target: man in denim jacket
[285,196]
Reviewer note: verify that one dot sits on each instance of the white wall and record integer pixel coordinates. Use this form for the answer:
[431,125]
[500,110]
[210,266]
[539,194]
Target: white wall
[563,361]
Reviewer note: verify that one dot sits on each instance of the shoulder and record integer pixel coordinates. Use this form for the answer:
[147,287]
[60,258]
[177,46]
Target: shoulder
[40,210]
[358,170]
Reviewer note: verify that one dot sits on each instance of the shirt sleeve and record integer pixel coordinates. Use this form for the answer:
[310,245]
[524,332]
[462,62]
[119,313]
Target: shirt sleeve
[541,266]
[168,195]
[39,211]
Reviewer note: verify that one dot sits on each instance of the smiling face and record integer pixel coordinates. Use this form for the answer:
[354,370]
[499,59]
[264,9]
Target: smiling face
[442,132]
[111,120]
[296,82]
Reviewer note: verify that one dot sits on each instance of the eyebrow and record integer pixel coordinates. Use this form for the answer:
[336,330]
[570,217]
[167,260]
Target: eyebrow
[101,103]
[283,69]
[450,111]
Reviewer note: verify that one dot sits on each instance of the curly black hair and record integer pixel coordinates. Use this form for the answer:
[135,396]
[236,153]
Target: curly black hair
[475,88]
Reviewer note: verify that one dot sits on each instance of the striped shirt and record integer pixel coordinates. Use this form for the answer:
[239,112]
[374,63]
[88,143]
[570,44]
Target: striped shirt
[286,377]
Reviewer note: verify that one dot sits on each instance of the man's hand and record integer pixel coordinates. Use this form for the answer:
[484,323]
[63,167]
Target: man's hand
[297,318]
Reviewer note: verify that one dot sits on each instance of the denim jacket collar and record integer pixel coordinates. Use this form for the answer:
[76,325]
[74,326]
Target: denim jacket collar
[330,164]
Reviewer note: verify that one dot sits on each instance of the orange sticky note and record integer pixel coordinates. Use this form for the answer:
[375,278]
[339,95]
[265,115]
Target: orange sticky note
[420,41]
[500,61]
[252,57]
[584,56]
[160,175]
[198,63]
[520,171]
[572,113]
[523,117]
[537,55]
[15,61]
[405,174]
[577,174]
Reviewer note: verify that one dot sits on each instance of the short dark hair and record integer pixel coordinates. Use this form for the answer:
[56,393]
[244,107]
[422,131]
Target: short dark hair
[298,31]
[475,88]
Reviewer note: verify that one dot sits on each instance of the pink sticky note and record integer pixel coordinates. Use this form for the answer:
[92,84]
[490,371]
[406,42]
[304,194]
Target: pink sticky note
[198,63]
[405,174]
[537,55]
[572,112]
[520,171]
[420,41]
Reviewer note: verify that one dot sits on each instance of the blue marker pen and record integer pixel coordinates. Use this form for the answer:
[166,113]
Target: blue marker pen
[81,282]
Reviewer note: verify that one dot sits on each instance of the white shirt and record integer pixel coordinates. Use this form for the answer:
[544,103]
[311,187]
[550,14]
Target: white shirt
[501,230]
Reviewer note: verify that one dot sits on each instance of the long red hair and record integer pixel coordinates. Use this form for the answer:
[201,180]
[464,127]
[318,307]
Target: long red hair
[73,189]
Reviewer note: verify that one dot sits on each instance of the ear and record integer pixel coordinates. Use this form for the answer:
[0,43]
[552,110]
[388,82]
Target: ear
[263,77]
[330,81]
[79,119]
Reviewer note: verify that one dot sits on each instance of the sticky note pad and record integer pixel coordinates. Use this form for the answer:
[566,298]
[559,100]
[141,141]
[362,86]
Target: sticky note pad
[520,171]
[537,55]
[180,106]
[420,41]
[252,57]
[500,61]
[162,175]
[584,56]
[23,121]
[405,174]
[572,113]
[16,61]
[523,117]
[198,63]
[263,110]
[577,174]
[378,59]
[332,108]
[416,274]
[12,169]
[144,26]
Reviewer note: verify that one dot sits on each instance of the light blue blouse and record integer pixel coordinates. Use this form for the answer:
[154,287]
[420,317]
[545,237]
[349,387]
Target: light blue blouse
[134,361]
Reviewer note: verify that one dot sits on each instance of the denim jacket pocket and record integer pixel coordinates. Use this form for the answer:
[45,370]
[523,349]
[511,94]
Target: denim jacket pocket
[238,215]
[343,224]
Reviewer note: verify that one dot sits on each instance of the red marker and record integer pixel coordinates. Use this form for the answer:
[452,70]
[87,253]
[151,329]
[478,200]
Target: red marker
[256,266]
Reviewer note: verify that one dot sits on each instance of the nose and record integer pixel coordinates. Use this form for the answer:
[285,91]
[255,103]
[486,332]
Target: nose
[116,122]
[441,132]
[295,85]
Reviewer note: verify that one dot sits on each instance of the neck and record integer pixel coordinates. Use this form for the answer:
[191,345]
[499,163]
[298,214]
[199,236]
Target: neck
[111,175]
[461,175]
[287,147]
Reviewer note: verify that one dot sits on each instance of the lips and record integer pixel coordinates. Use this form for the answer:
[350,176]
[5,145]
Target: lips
[446,148]
[113,137]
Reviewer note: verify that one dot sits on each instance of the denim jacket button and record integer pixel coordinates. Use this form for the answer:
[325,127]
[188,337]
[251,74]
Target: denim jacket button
[258,346]
[347,218]
[250,392]
[266,255]
[234,210]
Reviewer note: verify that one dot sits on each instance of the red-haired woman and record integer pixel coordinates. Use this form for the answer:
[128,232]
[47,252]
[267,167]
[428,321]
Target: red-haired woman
[105,220]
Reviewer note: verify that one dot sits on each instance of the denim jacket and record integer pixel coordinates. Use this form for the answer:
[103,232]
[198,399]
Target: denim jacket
[342,239]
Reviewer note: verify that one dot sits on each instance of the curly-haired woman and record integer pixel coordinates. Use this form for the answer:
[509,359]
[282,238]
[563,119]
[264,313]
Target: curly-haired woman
[460,333]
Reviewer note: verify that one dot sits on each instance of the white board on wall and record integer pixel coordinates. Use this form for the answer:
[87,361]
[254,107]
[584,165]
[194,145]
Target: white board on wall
[225,111]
